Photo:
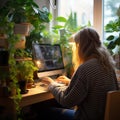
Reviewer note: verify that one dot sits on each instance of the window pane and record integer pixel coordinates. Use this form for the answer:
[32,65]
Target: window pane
[110,10]
[83,8]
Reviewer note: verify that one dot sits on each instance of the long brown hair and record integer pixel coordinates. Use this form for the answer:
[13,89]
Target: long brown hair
[88,44]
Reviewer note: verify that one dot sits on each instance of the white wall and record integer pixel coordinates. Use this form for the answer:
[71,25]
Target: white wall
[98,17]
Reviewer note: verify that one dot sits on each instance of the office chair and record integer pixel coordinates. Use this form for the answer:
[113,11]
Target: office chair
[112,110]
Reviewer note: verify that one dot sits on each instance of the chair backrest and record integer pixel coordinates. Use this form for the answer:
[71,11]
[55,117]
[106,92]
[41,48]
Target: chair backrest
[112,110]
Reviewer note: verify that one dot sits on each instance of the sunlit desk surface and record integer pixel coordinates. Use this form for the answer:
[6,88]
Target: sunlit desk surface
[35,95]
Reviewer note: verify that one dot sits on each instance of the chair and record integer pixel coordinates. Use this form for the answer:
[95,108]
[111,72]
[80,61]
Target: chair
[112,110]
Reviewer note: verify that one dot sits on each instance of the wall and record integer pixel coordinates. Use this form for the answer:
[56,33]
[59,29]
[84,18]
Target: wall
[42,3]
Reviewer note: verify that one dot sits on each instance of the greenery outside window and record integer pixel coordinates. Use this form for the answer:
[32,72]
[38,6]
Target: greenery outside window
[83,9]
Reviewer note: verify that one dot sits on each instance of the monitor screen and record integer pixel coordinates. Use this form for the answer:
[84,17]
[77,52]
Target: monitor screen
[48,57]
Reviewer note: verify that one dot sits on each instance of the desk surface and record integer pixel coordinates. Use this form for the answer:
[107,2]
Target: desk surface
[35,95]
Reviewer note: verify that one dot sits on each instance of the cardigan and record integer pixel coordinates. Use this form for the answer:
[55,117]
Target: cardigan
[87,90]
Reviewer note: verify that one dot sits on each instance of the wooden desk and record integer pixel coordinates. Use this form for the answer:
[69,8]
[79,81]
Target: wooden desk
[35,95]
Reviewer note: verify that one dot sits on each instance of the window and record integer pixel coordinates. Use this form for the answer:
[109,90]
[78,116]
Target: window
[110,9]
[83,8]
[86,11]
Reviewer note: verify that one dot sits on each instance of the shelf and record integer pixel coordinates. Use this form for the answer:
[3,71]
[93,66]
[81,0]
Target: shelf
[23,59]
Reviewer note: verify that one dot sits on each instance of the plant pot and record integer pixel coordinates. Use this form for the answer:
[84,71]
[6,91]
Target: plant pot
[4,91]
[3,42]
[30,85]
[23,86]
[13,91]
[22,29]
[21,44]
[4,57]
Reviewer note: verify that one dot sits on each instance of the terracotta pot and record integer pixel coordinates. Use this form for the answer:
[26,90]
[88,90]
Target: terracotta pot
[21,44]
[22,29]
[29,85]
[3,41]
[13,91]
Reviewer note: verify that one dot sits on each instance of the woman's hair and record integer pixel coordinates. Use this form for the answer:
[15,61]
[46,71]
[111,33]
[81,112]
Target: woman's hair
[88,44]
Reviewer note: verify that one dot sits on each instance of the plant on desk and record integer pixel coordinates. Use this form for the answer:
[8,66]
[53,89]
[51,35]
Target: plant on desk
[26,71]
[12,13]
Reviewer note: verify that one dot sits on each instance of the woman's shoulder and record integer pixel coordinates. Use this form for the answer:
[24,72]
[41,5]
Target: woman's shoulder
[92,62]
[89,65]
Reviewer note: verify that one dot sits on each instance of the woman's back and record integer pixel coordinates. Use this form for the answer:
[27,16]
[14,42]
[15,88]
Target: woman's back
[97,82]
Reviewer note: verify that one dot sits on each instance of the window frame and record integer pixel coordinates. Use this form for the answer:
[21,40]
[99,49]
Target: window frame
[97,16]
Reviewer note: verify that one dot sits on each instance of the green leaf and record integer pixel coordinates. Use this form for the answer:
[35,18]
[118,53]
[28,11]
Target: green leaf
[50,16]
[61,19]
[111,45]
[117,41]
[111,37]
[57,27]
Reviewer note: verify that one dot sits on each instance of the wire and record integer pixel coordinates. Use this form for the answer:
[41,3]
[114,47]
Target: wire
[53,5]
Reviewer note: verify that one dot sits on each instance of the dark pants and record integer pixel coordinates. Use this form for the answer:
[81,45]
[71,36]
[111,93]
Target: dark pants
[48,110]
[54,113]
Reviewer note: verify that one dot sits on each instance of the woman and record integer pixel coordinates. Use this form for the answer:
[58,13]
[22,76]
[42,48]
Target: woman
[87,89]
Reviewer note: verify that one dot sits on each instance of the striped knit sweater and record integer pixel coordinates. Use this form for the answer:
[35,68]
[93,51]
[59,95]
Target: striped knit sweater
[87,90]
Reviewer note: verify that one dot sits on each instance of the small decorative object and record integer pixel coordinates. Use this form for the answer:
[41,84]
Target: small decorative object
[26,71]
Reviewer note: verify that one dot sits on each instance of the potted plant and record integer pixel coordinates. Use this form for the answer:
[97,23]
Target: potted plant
[22,54]
[31,13]
[26,71]
[23,13]
[26,12]
[38,27]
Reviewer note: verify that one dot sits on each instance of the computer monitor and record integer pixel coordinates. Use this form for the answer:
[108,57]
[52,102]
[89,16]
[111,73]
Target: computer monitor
[48,58]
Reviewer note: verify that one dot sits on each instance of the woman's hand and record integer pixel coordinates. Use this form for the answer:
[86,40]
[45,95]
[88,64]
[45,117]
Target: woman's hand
[47,80]
[63,79]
